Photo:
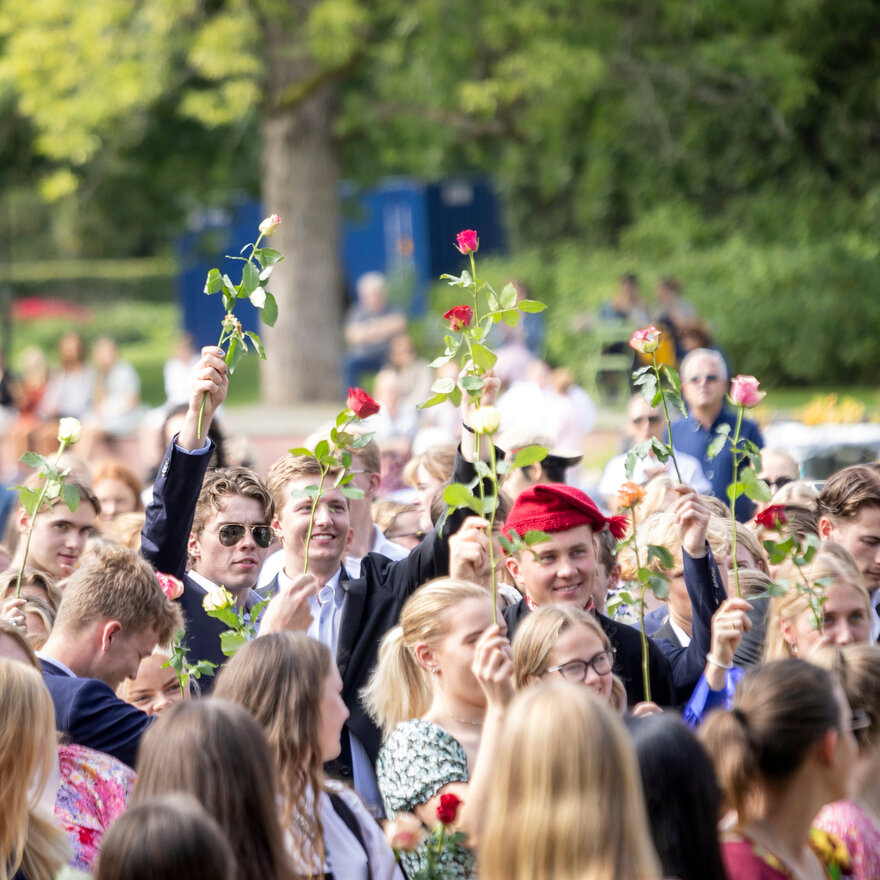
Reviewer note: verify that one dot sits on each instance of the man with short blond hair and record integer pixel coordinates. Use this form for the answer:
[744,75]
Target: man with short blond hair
[112,615]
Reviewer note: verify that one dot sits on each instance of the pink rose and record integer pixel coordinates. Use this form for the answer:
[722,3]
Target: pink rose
[468,241]
[405,833]
[361,404]
[646,340]
[459,317]
[270,225]
[744,391]
[171,586]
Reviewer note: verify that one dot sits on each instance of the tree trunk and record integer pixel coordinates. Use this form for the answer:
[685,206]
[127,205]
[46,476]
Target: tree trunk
[301,184]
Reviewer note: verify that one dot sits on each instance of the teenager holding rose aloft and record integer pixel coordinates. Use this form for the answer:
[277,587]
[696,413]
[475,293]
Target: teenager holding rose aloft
[440,693]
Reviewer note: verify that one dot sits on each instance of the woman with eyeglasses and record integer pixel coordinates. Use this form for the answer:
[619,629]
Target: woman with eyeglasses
[560,641]
[856,820]
[440,693]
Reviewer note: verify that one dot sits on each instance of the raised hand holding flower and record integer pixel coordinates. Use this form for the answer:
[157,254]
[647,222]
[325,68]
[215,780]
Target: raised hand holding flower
[254,276]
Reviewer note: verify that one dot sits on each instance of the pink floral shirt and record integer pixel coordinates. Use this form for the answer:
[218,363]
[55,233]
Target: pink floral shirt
[858,831]
[94,790]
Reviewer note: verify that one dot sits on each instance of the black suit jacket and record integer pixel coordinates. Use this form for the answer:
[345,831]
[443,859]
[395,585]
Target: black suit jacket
[90,714]
[628,663]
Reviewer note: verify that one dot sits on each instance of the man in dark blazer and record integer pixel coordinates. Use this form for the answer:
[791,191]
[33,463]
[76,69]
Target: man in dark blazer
[222,524]
[112,615]
[562,570]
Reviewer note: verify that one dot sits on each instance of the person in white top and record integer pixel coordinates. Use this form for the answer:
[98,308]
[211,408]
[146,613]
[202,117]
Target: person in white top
[645,422]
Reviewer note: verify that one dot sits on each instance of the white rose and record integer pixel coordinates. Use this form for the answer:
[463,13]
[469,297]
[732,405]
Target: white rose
[68,431]
[217,599]
[485,420]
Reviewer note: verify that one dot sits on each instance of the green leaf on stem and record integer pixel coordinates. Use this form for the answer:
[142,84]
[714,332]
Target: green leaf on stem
[717,443]
[361,440]
[484,472]
[443,385]
[471,384]
[755,488]
[353,492]
[70,496]
[734,490]
[214,282]
[508,546]
[531,305]
[483,357]
[527,456]
[507,298]
[300,450]
[34,460]
[269,312]
[268,256]
[660,449]
[658,584]
[234,354]
[488,505]
[639,451]
[258,344]
[661,554]
[492,299]
[458,495]
[455,396]
[322,448]
[510,317]
[29,499]
[441,361]
[258,297]
[433,401]
[250,278]
[231,641]
[535,536]
[648,383]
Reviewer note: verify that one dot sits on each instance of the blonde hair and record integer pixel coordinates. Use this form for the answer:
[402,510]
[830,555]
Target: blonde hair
[31,577]
[537,635]
[400,688]
[114,583]
[662,529]
[438,461]
[29,840]
[831,561]
[563,751]
[749,539]
[126,529]
[293,467]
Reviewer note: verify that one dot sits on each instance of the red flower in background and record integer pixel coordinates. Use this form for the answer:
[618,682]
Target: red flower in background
[361,404]
[459,317]
[772,517]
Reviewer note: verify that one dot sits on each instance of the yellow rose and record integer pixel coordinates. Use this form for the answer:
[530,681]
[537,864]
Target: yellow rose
[217,600]
[485,420]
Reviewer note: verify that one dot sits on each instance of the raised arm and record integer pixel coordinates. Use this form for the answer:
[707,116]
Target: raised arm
[169,515]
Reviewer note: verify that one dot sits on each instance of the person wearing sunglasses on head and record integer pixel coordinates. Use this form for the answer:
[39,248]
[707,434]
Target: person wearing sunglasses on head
[223,532]
[704,385]
[644,422]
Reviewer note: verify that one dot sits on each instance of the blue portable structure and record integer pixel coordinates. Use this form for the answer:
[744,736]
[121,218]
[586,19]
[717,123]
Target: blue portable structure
[403,227]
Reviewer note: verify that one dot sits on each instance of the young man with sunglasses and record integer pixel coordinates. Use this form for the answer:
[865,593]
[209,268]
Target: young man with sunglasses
[644,422]
[224,531]
[704,386]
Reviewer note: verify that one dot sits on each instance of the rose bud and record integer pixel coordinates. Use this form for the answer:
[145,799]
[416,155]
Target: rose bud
[772,517]
[448,809]
[468,242]
[405,833]
[68,431]
[270,225]
[485,420]
[744,391]
[630,494]
[361,404]
[216,600]
[459,317]
[646,340]
[171,586]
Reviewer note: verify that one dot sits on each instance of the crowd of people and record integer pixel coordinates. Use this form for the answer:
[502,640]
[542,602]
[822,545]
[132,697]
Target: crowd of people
[379,692]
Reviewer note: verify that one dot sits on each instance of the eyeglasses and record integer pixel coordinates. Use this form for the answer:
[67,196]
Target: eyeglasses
[231,533]
[576,670]
[419,535]
[650,420]
[695,380]
[860,720]
[779,482]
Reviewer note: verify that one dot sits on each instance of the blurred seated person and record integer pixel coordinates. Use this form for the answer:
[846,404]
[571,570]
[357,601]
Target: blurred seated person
[370,325]
[674,311]
[645,422]
[118,490]
[427,473]
[627,306]
[115,410]
[30,389]
[552,468]
[694,334]
[413,374]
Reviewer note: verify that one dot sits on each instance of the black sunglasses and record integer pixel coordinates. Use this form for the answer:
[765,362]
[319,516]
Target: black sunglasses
[231,533]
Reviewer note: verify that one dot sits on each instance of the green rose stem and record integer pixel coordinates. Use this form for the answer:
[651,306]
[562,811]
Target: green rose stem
[666,416]
[325,469]
[62,445]
[494,478]
[734,451]
[645,677]
[224,334]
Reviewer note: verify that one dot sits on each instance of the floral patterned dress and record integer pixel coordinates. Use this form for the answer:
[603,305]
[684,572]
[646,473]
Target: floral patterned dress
[94,790]
[745,859]
[417,760]
[859,833]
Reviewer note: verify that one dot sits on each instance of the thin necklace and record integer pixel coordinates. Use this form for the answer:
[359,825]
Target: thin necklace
[464,720]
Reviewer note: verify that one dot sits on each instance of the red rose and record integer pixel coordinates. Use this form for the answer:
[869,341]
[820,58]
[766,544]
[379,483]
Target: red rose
[468,241]
[448,809]
[772,517]
[361,404]
[459,317]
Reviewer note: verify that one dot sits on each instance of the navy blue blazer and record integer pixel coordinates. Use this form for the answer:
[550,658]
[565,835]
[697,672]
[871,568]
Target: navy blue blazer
[90,714]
